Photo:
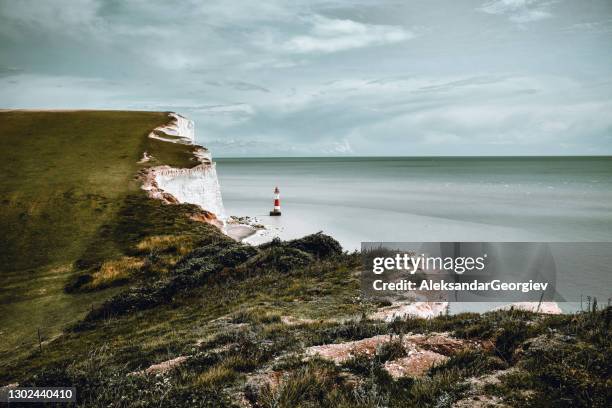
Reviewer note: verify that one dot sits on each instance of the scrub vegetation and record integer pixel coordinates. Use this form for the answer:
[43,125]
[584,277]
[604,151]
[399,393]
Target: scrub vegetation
[185,316]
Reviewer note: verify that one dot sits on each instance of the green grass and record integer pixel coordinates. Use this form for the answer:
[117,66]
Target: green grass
[196,293]
[69,193]
[230,329]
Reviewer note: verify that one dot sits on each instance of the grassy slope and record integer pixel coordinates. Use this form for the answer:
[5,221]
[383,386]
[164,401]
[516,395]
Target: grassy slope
[222,306]
[231,328]
[67,180]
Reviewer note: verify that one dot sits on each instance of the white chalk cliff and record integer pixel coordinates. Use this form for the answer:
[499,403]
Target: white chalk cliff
[197,185]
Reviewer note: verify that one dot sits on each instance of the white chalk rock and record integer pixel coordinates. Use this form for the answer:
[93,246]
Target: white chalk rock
[181,127]
[197,185]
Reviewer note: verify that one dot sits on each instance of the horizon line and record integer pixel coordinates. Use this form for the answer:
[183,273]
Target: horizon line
[420,157]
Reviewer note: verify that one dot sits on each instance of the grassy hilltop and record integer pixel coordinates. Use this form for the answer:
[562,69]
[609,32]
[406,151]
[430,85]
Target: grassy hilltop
[69,200]
[152,308]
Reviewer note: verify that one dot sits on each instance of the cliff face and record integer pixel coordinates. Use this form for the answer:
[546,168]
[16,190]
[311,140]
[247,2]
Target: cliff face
[197,185]
[181,130]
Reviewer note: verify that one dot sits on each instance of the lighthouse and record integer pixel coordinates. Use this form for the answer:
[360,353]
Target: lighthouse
[276,210]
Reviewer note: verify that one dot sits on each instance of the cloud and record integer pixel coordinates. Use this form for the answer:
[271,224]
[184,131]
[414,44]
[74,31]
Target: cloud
[342,147]
[328,35]
[229,109]
[238,85]
[598,27]
[52,15]
[518,11]
[325,77]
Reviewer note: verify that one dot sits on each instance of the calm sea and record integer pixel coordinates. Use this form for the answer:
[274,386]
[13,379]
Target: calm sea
[543,199]
[426,199]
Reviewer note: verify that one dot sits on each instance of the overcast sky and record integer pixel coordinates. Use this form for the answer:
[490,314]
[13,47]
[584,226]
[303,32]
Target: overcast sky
[327,77]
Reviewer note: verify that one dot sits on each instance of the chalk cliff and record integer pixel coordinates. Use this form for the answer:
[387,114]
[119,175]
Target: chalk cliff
[197,185]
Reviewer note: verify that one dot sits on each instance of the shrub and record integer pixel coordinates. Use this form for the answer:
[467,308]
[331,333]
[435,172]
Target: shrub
[217,253]
[319,245]
[391,350]
[236,255]
[509,336]
[281,258]
[471,363]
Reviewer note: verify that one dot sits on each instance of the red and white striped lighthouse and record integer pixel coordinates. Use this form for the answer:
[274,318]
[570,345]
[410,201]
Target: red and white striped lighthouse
[276,210]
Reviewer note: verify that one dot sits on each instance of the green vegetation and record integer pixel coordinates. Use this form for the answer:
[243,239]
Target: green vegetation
[72,207]
[230,323]
[206,321]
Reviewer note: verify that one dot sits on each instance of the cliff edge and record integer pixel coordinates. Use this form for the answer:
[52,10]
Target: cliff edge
[197,185]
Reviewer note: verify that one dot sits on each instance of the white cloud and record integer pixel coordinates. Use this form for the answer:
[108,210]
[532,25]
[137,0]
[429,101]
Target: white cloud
[328,35]
[228,109]
[518,11]
[342,147]
[52,15]
[599,27]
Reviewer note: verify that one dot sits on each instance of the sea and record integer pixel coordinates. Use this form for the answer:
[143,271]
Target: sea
[415,199]
[425,199]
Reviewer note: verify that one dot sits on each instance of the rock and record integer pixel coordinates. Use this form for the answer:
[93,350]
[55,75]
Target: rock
[439,343]
[476,396]
[425,310]
[8,387]
[442,343]
[259,380]
[163,367]
[481,401]
[341,352]
[415,365]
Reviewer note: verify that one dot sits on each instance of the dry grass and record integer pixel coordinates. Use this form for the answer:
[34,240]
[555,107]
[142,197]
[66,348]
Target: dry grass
[216,375]
[179,244]
[256,315]
[115,271]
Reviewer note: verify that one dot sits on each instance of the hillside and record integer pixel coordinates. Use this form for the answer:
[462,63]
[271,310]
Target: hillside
[141,303]
[70,200]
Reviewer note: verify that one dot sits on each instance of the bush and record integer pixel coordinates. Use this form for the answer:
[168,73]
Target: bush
[236,255]
[282,259]
[471,363]
[151,295]
[319,245]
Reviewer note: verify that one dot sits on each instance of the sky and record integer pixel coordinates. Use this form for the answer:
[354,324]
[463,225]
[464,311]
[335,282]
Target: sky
[327,77]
